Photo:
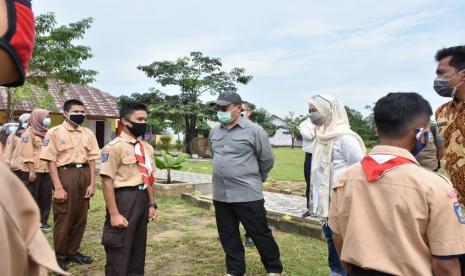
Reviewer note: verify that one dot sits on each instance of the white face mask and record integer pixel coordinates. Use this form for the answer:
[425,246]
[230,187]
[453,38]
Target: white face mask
[47,122]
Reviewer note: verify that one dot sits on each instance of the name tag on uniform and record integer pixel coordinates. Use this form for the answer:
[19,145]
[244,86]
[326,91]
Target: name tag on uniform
[78,166]
[440,124]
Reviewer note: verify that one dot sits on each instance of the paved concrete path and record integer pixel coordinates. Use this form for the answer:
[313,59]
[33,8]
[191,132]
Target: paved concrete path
[188,177]
[291,205]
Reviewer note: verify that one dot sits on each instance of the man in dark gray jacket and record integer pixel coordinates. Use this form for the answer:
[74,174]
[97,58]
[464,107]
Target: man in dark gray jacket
[242,158]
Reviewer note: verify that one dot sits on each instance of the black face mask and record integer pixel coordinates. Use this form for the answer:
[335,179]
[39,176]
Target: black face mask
[137,129]
[77,118]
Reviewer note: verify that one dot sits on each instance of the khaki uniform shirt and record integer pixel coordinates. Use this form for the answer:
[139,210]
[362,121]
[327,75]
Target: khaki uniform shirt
[30,148]
[2,147]
[451,126]
[64,145]
[24,248]
[396,223]
[12,152]
[119,161]
[427,158]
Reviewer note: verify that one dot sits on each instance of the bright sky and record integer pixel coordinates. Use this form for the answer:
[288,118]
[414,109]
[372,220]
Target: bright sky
[356,51]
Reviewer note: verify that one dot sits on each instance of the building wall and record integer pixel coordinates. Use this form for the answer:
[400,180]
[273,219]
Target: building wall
[109,130]
[282,139]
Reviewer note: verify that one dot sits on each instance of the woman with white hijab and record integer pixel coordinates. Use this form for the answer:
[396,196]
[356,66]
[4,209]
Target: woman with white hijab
[337,147]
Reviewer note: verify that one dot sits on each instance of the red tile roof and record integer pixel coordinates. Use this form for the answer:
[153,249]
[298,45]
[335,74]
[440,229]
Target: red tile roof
[96,102]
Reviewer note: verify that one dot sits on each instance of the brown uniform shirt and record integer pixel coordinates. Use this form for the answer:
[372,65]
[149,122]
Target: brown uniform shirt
[24,249]
[427,158]
[451,126]
[12,152]
[119,161]
[64,145]
[396,223]
[30,148]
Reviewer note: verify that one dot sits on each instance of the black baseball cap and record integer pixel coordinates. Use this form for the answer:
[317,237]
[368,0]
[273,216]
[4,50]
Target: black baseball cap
[227,98]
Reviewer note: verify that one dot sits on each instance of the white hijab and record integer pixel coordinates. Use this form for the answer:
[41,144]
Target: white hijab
[336,124]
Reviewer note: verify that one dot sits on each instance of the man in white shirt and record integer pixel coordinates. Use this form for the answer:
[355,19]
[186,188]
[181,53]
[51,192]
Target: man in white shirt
[307,131]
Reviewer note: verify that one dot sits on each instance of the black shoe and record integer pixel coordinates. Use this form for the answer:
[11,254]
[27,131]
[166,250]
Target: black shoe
[62,263]
[306,214]
[249,242]
[79,258]
[46,227]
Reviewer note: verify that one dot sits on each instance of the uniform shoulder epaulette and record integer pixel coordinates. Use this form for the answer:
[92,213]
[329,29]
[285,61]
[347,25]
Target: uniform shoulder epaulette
[148,144]
[115,141]
[438,174]
[55,128]
[443,177]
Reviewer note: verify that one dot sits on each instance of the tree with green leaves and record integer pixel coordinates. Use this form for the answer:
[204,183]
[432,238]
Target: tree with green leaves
[153,98]
[56,56]
[194,75]
[291,125]
[263,118]
[363,126]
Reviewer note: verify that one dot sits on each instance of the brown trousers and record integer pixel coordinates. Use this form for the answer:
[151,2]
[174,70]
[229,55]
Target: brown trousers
[125,248]
[70,217]
[17,173]
[41,190]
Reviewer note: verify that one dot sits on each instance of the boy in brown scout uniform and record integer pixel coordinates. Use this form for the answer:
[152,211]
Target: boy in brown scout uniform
[127,176]
[389,216]
[11,154]
[71,151]
[34,172]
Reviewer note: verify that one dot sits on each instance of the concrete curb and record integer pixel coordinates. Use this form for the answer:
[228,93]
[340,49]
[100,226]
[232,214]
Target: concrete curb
[297,225]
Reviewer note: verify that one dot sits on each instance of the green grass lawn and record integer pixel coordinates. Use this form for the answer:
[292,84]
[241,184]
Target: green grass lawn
[288,165]
[184,241]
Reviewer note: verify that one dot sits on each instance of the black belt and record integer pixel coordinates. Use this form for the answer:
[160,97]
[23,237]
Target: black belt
[75,165]
[140,187]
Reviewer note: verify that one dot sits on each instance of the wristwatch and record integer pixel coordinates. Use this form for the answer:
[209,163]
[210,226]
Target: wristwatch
[154,205]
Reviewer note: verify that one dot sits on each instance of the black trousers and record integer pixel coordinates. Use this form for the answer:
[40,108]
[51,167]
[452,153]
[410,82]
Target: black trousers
[358,271]
[125,247]
[307,172]
[252,215]
[41,190]
[462,264]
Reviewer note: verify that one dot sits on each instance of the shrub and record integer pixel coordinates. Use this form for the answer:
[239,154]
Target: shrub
[170,162]
[166,139]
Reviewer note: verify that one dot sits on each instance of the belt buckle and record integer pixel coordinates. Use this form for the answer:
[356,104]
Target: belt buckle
[140,187]
[78,166]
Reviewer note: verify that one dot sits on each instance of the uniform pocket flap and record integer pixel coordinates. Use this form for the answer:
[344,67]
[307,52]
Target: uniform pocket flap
[131,159]
[112,237]
[62,145]
[216,137]
[60,208]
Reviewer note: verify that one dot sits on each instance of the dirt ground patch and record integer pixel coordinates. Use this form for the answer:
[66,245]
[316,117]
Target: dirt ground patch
[184,241]
[169,234]
[285,187]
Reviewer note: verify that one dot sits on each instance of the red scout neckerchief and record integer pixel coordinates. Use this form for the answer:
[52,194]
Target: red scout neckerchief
[18,41]
[376,165]
[147,177]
